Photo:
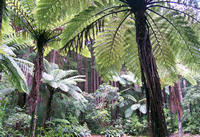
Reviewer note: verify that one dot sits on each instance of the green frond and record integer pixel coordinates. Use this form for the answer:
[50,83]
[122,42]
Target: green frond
[63,80]
[109,48]
[5,86]
[17,41]
[188,74]
[28,6]
[162,49]
[50,11]
[131,52]
[20,11]
[16,76]
[85,25]
[25,66]
[181,35]
[173,38]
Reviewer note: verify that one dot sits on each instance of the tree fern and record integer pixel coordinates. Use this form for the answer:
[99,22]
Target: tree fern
[63,80]
[16,76]
[51,11]
[159,29]
[85,25]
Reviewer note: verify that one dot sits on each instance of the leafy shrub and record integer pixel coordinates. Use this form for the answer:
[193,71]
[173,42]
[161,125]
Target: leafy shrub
[171,120]
[135,126]
[65,128]
[17,124]
[191,114]
[113,131]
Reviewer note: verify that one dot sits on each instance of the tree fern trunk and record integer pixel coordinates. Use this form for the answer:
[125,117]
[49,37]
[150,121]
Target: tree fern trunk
[151,80]
[2,4]
[79,67]
[92,71]
[86,73]
[178,93]
[49,104]
[34,94]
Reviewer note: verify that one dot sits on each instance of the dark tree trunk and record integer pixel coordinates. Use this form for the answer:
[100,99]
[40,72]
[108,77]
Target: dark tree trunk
[95,79]
[92,71]
[97,83]
[21,101]
[34,94]
[53,56]
[79,67]
[49,104]
[86,73]
[178,93]
[2,4]
[151,80]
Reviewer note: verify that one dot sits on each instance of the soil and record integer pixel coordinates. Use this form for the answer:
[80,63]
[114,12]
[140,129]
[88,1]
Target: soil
[185,135]
[174,135]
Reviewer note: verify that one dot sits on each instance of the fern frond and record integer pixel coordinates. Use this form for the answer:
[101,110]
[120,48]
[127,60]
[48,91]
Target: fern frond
[85,25]
[130,97]
[109,49]
[50,11]
[23,15]
[16,76]
[174,35]
[17,41]
[25,66]
[131,58]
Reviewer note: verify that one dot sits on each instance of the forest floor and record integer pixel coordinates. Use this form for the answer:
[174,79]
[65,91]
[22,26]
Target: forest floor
[185,135]
[174,135]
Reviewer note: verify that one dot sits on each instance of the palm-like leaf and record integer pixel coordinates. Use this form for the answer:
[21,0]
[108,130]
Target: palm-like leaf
[15,74]
[63,80]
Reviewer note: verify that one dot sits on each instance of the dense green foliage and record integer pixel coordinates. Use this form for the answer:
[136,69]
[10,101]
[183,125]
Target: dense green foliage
[91,80]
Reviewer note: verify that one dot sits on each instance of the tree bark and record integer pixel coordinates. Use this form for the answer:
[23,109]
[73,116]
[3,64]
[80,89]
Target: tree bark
[151,80]
[92,71]
[2,4]
[21,101]
[86,73]
[34,94]
[53,56]
[79,67]
[49,105]
[178,93]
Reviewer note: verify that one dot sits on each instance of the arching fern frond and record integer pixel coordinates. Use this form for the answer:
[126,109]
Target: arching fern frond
[16,76]
[130,57]
[84,26]
[27,20]
[173,38]
[18,41]
[109,47]
[50,11]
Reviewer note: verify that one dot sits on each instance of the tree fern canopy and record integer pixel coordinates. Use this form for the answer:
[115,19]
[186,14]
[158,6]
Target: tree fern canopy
[156,41]
[172,36]
[51,11]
